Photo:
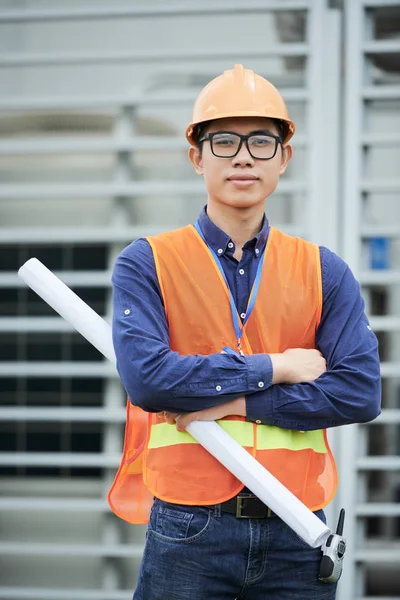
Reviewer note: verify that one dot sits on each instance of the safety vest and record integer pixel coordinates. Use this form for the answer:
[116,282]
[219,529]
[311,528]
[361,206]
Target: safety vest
[160,461]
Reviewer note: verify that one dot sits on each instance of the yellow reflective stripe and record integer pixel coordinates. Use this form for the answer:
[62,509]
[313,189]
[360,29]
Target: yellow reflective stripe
[268,438]
[163,434]
[241,431]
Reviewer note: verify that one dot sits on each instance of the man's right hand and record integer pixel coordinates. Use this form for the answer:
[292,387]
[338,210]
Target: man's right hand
[297,365]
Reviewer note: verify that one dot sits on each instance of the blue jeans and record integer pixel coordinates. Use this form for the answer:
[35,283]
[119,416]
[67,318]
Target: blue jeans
[199,553]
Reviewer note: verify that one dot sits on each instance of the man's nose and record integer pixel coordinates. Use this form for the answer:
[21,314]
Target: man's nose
[243,158]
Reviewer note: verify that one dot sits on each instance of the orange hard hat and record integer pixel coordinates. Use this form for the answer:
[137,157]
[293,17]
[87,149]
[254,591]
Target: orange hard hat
[239,92]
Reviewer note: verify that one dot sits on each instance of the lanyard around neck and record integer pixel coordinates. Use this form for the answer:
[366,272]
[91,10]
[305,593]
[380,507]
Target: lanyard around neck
[237,323]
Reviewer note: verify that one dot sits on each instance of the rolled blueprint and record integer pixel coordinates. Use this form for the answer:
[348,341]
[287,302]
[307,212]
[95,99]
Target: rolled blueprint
[64,301]
[208,433]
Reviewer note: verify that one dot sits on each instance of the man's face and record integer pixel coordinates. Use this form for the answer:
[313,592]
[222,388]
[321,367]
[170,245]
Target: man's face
[241,181]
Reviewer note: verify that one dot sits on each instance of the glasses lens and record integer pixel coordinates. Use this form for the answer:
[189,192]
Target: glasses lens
[225,144]
[262,146]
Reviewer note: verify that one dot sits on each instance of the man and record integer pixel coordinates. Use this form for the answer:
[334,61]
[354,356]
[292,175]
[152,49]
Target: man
[232,320]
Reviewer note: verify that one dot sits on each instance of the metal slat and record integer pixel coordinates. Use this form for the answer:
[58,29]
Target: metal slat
[76,415]
[378,598]
[380,139]
[87,235]
[19,593]
[108,550]
[100,370]
[379,3]
[381,185]
[381,46]
[386,230]
[164,9]
[390,369]
[385,323]
[15,103]
[387,416]
[95,191]
[378,509]
[70,278]
[79,59]
[100,144]
[59,459]
[60,145]
[375,277]
[34,325]
[53,504]
[378,463]
[381,92]
[51,235]
[380,554]
[18,103]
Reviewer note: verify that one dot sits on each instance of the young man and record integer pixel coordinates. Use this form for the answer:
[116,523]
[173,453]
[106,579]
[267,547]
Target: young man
[232,320]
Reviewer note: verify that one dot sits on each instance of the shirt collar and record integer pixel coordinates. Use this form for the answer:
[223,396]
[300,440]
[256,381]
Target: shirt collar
[219,240]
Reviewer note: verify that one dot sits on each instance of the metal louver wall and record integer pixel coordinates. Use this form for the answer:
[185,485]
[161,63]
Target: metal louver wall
[92,156]
[371,231]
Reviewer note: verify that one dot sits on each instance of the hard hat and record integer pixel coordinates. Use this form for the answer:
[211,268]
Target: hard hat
[239,92]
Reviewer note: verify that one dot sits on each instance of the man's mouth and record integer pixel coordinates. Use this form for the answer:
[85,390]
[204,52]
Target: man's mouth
[243,181]
[242,178]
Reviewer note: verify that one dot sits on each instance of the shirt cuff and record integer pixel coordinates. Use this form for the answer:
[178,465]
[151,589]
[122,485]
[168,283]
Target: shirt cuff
[260,371]
[259,407]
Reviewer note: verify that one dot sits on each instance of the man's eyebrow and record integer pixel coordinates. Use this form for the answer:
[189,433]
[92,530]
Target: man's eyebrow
[267,131]
[255,132]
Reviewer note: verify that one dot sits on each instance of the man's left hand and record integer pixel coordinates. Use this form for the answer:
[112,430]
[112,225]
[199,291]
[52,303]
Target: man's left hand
[233,407]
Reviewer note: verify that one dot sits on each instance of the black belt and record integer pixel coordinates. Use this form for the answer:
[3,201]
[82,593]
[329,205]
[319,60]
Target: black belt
[247,506]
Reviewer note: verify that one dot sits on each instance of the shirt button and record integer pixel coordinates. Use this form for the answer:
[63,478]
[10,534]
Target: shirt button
[258,422]
[257,251]
[127,312]
[260,384]
[220,251]
[230,245]
[218,388]
[241,271]
[243,315]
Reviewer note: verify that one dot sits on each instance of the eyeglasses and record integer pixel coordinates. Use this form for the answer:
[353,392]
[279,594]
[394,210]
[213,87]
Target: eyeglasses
[227,144]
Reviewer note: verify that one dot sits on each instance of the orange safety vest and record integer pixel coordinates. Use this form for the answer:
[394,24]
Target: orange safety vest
[160,461]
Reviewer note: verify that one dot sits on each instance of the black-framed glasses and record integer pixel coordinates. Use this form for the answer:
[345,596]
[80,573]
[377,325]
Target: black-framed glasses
[227,144]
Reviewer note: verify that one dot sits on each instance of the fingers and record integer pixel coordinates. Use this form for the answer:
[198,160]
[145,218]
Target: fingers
[183,421]
[170,417]
[180,420]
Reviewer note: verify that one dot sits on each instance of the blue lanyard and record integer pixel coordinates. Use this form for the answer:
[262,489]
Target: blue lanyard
[237,323]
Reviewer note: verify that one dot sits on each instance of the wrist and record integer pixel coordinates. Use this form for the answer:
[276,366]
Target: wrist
[279,368]
[240,406]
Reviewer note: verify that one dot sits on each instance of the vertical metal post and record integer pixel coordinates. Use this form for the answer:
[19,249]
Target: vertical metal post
[315,118]
[323,81]
[351,169]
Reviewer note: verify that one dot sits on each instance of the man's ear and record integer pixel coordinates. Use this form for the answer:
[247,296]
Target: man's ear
[196,159]
[286,156]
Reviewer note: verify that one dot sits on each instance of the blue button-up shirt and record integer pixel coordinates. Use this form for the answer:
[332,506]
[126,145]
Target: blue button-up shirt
[156,378]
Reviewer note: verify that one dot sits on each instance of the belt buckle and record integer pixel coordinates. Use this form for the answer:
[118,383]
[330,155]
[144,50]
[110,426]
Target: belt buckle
[239,506]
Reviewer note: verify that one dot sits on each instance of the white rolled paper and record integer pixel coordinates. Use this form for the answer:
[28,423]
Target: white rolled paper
[72,308]
[208,433]
[260,481]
